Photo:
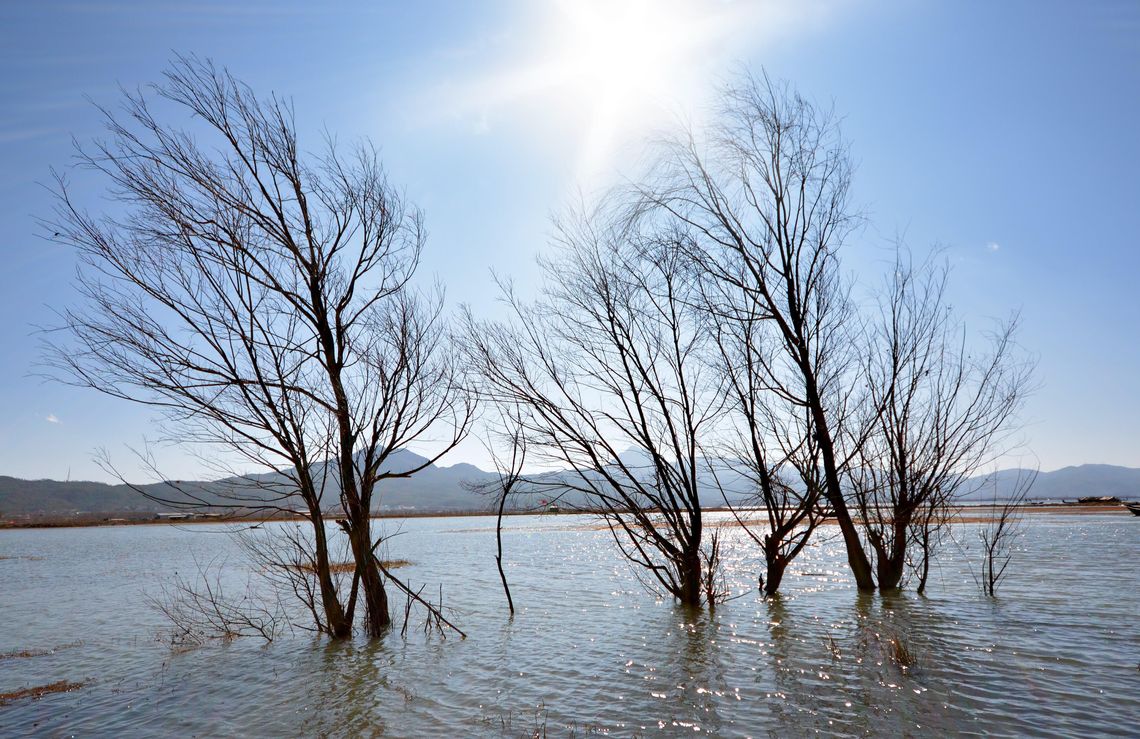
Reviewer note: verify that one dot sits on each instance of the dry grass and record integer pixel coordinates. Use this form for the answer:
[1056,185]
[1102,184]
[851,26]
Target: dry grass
[833,647]
[901,654]
[29,653]
[39,691]
[347,568]
[26,653]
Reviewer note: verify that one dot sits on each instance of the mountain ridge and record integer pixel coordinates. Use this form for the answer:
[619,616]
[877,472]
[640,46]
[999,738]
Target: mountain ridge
[439,488]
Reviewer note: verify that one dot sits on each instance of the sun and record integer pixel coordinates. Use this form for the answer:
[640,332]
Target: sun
[616,68]
[620,46]
[621,60]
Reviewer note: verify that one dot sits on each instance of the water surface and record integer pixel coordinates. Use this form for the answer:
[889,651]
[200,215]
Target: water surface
[1057,653]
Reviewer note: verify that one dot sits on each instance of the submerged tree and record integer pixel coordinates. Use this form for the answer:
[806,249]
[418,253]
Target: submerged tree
[767,441]
[764,203]
[508,480]
[1000,532]
[259,297]
[607,373]
[940,412]
[878,422]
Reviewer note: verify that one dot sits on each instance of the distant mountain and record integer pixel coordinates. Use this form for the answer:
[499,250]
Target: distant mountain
[441,488]
[1066,483]
[434,488]
[431,488]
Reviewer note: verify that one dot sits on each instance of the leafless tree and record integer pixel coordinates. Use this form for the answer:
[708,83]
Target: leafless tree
[929,528]
[203,609]
[1000,533]
[405,390]
[607,373]
[767,440]
[763,201]
[259,297]
[943,408]
[715,587]
[509,466]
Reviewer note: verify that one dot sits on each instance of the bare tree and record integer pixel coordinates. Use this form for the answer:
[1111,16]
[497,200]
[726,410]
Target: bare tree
[942,408]
[929,529]
[509,475]
[204,610]
[764,205]
[407,386]
[1000,533]
[259,297]
[768,441]
[607,372]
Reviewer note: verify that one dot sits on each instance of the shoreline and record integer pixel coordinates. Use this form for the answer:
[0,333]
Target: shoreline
[50,522]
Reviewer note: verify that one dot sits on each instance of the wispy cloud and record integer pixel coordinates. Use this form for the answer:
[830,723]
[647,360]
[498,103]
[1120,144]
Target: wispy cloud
[24,134]
[625,67]
[51,418]
[993,246]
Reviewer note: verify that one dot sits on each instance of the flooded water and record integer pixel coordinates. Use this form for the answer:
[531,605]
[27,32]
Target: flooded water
[1057,653]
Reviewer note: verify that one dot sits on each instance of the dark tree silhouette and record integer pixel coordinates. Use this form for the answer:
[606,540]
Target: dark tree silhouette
[763,201]
[1000,533]
[259,297]
[509,481]
[767,439]
[941,413]
[607,373]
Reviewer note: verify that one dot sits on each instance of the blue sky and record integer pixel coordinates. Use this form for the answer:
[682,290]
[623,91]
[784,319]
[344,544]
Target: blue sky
[1004,132]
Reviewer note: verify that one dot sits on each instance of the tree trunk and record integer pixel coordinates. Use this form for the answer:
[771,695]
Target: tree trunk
[377,619]
[776,568]
[856,557]
[356,500]
[339,624]
[924,569]
[691,573]
[376,616]
[775,564]
[499,553]
[891,562]
[890,571]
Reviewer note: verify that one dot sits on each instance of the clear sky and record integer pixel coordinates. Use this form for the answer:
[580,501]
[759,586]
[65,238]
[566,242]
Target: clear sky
[1006,132]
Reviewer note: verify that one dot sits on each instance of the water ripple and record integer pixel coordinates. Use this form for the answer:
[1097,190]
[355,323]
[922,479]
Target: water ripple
[590,653]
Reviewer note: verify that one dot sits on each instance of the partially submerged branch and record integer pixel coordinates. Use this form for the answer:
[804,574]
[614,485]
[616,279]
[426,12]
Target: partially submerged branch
[203,609]
[435,612]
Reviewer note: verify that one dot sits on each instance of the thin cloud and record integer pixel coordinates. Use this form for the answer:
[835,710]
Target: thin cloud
[993,246]
[24,134]
[51,418]
[622,83]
